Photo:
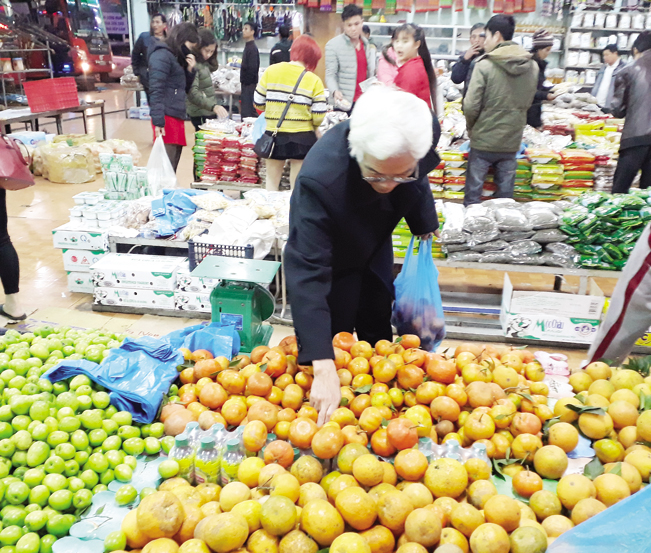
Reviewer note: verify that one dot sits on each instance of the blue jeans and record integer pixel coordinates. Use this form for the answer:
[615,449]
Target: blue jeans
[479,162]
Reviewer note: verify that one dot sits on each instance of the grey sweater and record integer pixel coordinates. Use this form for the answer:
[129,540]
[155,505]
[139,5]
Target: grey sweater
[341,65]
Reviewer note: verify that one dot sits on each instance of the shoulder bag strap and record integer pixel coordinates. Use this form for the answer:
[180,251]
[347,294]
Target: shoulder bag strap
[289,102]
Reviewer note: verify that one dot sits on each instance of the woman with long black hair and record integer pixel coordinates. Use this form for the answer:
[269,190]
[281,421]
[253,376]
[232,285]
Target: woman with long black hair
[171,73]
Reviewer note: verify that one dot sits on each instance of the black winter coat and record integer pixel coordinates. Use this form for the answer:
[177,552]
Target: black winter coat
[534,115]
[462,70]
[632,100]
[339,228]
[139,58]
[169,81]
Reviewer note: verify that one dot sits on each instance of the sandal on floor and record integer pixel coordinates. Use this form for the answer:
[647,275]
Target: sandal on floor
[3,313]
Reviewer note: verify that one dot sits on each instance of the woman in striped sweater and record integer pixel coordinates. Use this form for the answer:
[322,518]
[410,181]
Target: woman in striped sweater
[297,133]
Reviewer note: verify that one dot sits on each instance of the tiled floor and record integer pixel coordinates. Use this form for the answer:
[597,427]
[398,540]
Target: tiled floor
[34,212]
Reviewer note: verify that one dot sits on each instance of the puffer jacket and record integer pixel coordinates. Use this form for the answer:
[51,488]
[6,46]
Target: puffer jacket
[169,81]
[632,100]
[341,65]
[501,91]
[201,97]
[534,115]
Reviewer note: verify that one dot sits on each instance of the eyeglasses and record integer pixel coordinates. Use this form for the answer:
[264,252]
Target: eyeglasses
[397,180]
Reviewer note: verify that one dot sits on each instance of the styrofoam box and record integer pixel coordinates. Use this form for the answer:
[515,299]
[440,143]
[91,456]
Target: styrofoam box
[81,260]
[123,270]
[135,297]
[185,282]
[553,316]
[74,236]
[192,301]
[80,282]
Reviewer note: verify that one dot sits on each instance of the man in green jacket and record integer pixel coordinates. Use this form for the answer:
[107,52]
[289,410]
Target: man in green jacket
[501,90]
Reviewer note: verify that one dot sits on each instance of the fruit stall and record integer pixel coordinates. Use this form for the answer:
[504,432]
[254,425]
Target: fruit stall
[480,448]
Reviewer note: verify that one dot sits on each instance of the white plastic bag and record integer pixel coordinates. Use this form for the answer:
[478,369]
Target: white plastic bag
[160,173]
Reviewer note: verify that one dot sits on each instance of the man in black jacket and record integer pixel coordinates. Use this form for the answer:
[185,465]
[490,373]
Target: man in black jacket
[356,184]
[280,52]
[249,70]
[632,99]
[462,70]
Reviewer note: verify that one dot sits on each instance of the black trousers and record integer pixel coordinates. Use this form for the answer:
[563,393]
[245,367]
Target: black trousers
[247,109]
[200,120]
[362,303]
[9,270]
[174,153]
[632,160]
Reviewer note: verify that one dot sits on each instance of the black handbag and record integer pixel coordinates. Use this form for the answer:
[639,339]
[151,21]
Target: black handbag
[265,145]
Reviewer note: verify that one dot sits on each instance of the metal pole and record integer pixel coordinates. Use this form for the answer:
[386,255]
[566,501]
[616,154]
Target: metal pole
[49,58]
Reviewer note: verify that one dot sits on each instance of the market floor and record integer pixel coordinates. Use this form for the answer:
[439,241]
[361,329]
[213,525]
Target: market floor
[34,212]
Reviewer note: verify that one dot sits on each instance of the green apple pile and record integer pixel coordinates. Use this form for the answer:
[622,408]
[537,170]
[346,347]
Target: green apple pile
[61,442]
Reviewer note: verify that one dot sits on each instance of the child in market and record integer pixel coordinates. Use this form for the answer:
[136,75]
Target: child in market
[415,70]
[201,101]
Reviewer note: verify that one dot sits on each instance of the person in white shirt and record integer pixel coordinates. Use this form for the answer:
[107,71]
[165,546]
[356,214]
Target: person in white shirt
[604,86]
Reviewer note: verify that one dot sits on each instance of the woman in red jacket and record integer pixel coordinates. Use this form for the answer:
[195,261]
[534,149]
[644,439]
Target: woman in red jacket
[415,70]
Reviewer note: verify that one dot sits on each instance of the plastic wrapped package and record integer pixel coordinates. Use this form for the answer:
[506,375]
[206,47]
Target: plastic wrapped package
[557,209]
[511,219]
[481,237]
[124,147]
[495,245]
[524,248]
[542,218]
[561,248]
[472,257]
[513,236]
[193,229]
[67,165]
[451,248]
[495,257]
[453,236]
[138,213]
[213,201]
[95,149]
[559,260]
[206,216]
[454,215]
[478,219]
[526,260]
[74,139]
[549,236]
[500,202]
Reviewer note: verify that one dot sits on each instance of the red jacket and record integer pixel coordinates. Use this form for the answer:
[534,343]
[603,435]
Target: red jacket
[412,77]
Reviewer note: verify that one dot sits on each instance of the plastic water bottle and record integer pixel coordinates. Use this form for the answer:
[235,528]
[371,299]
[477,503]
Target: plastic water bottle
[207,462]
[220,434]
[193,430]
[438,451]
[231,461]
[425,447]
[183,454]
[452,447]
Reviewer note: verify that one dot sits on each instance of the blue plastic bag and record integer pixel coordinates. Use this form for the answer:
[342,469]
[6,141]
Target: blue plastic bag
[259,127]
[217,338]
[173,210]
[140,372]
[418,308]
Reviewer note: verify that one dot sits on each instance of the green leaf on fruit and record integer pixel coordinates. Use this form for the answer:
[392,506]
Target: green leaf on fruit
[585,409]
[548,424]
[263,367]
[526,396]
[593,469]
[396,341]
[427,378]
[580,398]
[343,402]
[609,362]
[501,417]
[384,423]
[641,365]
[617,469]
[233,364]
[363,389]
[100,510]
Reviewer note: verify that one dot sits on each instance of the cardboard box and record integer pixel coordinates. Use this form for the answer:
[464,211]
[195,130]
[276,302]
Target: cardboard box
[553,316]
[80,282]
[135,297]
[81,260]
[185,282]
[123,270]
[192,301]
[72,236]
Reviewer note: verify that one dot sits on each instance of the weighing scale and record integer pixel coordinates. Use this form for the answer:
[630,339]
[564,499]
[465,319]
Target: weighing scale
[240,298]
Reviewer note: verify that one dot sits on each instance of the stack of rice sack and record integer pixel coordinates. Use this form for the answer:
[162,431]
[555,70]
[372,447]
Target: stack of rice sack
[547,173]
[604,228]
[437,179]
[455,174]
[225,158]
[523,176]
[503,231]
[604,171]
[578,171]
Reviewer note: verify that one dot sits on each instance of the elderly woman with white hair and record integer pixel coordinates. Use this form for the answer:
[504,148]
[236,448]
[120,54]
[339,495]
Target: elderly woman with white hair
[356,184]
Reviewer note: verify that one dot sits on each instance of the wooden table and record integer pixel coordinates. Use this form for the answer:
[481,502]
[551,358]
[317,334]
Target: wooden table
[57,115]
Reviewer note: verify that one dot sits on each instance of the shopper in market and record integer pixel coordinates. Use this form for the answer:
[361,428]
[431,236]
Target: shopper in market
[139,54]
[632,100]
[201,101]
[171,74]
[604,86]
[541,47]
[349,60]
[249,70]
[387,68]
[366,31]
[359,180]
[307,107]
[415,70]
[629,313]
[280,52]
[501,91]
[462,70]
[9,268]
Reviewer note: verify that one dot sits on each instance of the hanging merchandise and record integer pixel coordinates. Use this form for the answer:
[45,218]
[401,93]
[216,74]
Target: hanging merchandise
[509,7]
[268,22]
[403,5]
[528,6]
[422,6]
[368,8]
[445,4]
[378,4]
[517,6]
[480,4]
[390,9]
[458,5]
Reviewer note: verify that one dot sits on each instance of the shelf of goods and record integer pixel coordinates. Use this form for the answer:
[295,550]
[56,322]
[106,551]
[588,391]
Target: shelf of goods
[591,31]
[482,448]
